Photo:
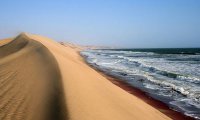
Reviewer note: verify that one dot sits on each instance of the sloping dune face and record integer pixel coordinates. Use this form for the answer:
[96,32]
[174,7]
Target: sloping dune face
[32,69]
[30,82]
[89,95]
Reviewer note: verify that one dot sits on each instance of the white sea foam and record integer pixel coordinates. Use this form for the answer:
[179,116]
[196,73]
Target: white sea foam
[173,76]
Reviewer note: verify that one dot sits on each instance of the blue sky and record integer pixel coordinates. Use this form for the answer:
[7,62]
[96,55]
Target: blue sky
[122,23]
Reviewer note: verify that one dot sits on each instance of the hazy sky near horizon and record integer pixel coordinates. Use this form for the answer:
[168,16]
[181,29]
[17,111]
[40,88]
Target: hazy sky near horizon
[122,23]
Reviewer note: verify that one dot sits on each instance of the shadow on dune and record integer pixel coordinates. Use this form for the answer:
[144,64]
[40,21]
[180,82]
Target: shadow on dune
[31,83]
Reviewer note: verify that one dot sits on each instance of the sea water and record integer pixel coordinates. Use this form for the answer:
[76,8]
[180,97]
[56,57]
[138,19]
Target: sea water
[169,75]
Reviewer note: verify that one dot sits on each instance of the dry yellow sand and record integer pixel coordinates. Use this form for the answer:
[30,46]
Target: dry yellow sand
[5,41]
[88,95]
[29,81]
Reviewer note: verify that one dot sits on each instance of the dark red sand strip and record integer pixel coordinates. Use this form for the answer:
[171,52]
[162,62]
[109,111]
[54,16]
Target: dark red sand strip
[162,107]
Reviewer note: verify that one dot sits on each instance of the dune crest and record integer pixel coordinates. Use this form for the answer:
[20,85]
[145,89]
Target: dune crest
[89,95]
[29,81]
[44,80]
[13,46]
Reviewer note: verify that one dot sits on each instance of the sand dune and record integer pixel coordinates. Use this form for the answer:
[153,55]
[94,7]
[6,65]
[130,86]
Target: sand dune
[29,81]
[32,69]
[5,41]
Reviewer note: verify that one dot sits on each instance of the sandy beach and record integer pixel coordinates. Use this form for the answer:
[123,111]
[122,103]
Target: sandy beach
[162,107]
[42,79]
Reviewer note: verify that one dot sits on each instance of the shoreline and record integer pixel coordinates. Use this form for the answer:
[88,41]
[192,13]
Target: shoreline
[159,105]
[85,94]
[89,95]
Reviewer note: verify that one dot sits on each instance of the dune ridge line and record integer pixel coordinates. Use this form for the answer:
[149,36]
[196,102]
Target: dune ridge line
[91,96]
[31,87]
[44,80]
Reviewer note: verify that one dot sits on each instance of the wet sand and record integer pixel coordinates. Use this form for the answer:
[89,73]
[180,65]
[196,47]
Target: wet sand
[44,80]
[162,107]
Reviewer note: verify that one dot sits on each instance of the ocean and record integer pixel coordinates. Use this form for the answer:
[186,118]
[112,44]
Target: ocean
[171,75]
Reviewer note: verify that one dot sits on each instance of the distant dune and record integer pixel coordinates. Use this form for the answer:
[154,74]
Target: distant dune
[44,80]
